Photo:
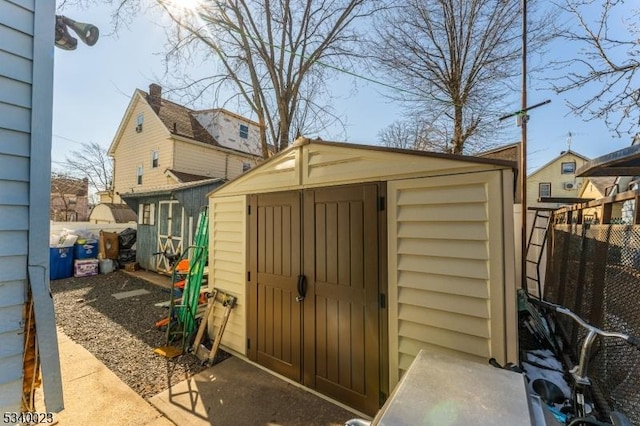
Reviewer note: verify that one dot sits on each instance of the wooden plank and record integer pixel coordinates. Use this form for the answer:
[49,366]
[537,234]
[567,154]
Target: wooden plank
[16,42]
[12,293]
[16,67]
[14,143]
[17,246]
[13,268]
[15,92]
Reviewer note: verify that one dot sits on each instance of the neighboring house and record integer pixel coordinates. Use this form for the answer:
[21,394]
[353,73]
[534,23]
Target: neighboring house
[26,99]
[69,199]
[596,188]
[162,143]
[112,213]
[167,220]
[556,179]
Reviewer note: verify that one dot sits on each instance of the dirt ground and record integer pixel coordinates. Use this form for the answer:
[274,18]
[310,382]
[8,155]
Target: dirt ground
[121,332]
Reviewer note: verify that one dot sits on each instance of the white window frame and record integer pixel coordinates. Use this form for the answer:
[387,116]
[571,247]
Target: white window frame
[155,158]
[143,209]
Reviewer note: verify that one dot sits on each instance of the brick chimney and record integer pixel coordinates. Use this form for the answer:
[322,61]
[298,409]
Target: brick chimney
[155,96]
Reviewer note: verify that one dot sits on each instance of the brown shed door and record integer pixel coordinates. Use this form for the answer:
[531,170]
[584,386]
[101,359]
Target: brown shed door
[276,236]
[341,333]
[329,340]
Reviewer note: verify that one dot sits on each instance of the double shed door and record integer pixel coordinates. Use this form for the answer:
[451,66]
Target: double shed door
[314,300]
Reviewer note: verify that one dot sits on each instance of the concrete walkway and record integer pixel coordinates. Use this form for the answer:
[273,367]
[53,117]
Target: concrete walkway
[93,395]
[237,392]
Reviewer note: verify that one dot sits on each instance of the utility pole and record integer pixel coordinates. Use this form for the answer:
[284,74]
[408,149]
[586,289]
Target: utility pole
[522,118]
[523,150]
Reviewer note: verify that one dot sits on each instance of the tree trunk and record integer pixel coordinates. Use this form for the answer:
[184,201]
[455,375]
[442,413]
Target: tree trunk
[458,134]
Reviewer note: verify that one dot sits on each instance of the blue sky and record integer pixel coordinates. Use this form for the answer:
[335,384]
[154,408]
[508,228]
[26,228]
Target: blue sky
[93,85]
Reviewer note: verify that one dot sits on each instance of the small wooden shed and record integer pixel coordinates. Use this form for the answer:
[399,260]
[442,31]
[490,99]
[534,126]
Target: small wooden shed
[348,259]
[167,220]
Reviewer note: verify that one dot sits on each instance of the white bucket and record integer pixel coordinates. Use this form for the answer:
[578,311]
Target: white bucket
[106,266]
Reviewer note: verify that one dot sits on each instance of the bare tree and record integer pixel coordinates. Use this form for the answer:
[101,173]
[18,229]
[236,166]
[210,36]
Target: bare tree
[454,62]
[68,200]
[91,161]
[606,63]
[277,56]
[409,134]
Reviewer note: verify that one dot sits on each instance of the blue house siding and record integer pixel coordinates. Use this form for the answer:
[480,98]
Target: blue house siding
[26,87]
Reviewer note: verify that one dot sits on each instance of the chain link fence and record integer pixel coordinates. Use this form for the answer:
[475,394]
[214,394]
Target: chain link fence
[594,270]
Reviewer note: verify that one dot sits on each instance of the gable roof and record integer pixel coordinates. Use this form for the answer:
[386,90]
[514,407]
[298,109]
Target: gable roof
[504,152]
[313,163]
[553,160]
[179,120]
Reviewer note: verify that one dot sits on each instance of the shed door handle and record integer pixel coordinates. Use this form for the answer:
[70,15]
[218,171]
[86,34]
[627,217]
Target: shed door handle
[302,288]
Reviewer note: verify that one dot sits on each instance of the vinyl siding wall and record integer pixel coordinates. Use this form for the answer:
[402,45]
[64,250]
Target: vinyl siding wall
[552,173]
[200,159]
[227,264]
[446,271]
[16,78]
[135,149]
[26,87]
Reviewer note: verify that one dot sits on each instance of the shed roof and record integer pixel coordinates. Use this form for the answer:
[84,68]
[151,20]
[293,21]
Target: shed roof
[624,162]
[122,213]
[168,189]
[183,177]
[314,163]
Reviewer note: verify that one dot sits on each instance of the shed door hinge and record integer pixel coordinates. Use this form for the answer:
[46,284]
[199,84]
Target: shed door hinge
[248,210]
[249,276]
[381,203]
[383,301]
[248,343]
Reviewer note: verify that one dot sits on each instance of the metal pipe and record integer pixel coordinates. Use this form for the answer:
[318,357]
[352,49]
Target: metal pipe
[523,150]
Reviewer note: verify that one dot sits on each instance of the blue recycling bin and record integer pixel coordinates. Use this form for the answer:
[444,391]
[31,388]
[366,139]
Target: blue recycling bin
[60,262]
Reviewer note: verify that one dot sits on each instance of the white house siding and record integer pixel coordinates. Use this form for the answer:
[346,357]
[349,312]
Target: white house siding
[446,278]
[135,149]
[26,78]
[227,264]
[201,159]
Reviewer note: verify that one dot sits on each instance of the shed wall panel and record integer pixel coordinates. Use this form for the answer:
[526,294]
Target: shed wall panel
[17,17]
[228,265]
[11,293]
[443,290]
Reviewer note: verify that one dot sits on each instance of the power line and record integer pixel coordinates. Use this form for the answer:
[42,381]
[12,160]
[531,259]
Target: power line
[68,139]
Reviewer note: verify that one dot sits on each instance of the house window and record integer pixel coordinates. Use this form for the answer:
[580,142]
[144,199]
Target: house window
[544,189]
[246,167]
[569,168]
[139,121]
[244,131]
[146,214]
[139,174]
[154,159]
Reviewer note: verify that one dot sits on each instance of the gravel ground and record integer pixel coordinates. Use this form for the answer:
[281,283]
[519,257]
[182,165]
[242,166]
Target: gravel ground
[121,333]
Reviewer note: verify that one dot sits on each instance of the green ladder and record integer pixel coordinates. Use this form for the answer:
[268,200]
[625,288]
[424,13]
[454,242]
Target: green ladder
[182,315]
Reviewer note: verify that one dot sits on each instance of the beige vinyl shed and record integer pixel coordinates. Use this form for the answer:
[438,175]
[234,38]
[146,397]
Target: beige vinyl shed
[348,259]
